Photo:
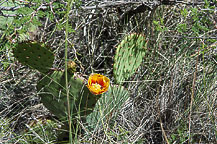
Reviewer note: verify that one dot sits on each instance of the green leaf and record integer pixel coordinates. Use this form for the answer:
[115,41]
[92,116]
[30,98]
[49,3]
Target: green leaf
[25,10]
[184,12]
[36,22]
[41,14]
[182,28]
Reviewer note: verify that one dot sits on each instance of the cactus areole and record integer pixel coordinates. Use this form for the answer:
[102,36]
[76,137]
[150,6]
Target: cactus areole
[51,89]
[34,54]
[98,84]
[129,56]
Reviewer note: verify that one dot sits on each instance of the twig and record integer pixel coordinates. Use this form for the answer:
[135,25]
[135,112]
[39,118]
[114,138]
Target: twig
[190,37]
[140,9]
[159,115]
[8,15]
[192,99]
[163,131]
[10,8]
[109,4]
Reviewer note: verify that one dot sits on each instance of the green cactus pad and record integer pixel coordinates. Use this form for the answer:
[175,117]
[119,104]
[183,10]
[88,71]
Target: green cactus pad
[107,107]
[34,55]
[128,57]
[52,91]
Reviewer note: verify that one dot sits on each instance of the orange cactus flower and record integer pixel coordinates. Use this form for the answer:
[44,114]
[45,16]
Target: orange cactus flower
[98,84]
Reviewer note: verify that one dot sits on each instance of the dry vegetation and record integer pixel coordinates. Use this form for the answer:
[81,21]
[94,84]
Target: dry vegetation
[173,93]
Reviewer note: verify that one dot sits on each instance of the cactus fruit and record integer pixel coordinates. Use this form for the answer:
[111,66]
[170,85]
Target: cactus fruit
[34,55]
[71,66]
[107,106]
[52,91]
[128,57]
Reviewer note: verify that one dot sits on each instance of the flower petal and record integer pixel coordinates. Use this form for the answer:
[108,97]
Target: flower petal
[98,84]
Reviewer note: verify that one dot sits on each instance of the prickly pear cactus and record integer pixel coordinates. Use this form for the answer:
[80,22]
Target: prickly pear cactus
[52,91]
[34,55]
[107,107]
[128,57]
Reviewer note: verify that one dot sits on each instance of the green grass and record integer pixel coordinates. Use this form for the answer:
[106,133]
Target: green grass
[5,21]
[172,94]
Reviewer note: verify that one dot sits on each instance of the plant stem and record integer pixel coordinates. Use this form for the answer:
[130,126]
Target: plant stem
[66,74]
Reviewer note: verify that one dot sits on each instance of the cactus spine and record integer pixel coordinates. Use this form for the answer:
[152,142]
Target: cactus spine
[34,55]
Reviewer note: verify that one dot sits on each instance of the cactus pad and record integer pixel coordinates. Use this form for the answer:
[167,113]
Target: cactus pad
[52,91]
[128,57]
[107,107]
[34,55]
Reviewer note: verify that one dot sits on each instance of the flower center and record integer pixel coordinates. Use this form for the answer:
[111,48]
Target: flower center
[96,86]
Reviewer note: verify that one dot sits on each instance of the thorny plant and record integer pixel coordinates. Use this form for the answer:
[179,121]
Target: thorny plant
[173,93]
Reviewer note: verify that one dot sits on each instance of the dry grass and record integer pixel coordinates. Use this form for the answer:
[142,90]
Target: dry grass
[172,95]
